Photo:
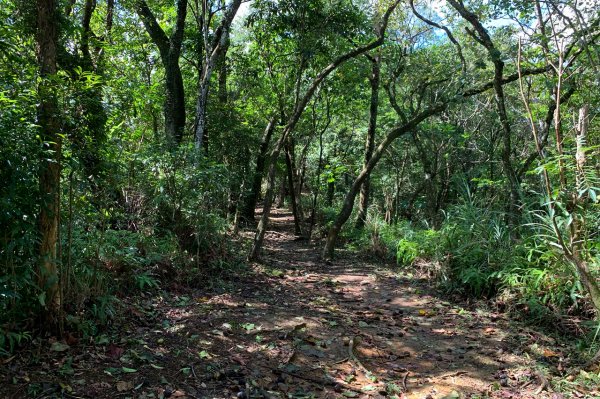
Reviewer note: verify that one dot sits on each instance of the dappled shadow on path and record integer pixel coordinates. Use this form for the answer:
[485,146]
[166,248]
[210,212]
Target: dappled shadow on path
[351,328]
[299,328]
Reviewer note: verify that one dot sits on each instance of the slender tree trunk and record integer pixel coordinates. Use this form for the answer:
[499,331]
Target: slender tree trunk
[300,175]
[200,140]
[88,139]
[49,121]
[509,171]
[292,188]
[330,186]
[252,197]
[577,228]
[215,50]
[481,35]
[261,229]
[348,203]
[282,192]
[365,188]
[313,211]
[222,66]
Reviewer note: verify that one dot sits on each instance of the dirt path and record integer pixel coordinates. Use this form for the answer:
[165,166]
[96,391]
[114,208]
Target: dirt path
[296,329]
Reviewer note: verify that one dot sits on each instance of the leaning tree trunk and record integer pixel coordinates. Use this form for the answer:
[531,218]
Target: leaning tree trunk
[348,204]
[365,188]
[49,122]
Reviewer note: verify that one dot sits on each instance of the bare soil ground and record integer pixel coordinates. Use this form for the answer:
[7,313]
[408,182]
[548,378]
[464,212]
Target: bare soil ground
[297,328]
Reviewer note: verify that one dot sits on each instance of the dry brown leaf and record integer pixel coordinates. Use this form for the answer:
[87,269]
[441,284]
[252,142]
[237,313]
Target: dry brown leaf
[123,386]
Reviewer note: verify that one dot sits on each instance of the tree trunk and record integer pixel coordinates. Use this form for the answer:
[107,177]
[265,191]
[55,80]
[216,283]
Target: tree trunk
[88,139]
[587,278]
[313,211]
[282,192]
[170,50]
[330,193]
[215,51]
[252,197]
[292,188]
[200,139]
[49,121]
[481,35]
[365,188]
[348,204]
[174,107]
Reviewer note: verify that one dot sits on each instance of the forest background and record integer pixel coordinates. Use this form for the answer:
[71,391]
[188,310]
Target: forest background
[458,139]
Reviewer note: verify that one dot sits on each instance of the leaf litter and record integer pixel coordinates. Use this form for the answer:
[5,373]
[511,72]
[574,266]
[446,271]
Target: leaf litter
[298,328]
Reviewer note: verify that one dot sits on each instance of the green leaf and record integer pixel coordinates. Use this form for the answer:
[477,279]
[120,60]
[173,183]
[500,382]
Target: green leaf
[112,371]
[128,370]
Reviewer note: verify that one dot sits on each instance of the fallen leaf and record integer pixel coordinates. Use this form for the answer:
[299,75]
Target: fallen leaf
[115,351]
[426,313]
[239,359]
[549,353]
[123,386]
[71,339]
[59,347]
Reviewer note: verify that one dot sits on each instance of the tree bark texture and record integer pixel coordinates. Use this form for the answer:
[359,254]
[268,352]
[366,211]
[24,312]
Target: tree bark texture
[49,121]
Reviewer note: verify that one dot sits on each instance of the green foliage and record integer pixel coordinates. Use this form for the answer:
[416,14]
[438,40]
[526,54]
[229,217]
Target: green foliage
[137,213]
[407,252]
[10,340]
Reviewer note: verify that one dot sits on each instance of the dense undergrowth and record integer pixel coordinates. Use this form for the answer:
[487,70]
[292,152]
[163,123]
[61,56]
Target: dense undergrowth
[473,254]
[147,232]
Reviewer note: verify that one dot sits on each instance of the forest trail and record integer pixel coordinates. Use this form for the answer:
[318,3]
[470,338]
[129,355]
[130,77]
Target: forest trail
[295,328]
